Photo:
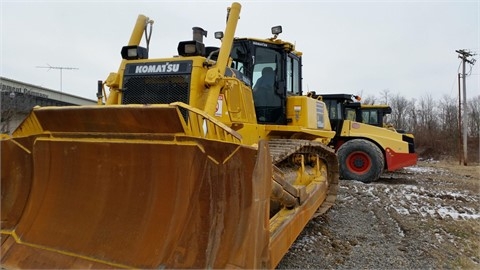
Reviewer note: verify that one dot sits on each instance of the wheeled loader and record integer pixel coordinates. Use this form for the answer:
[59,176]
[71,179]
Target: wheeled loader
[188,162]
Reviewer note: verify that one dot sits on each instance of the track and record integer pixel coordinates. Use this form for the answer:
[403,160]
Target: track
[283,149]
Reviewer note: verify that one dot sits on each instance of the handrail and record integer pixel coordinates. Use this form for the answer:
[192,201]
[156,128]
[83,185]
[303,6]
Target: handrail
[205,126]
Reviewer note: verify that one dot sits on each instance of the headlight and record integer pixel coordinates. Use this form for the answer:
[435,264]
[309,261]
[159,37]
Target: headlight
[134,52]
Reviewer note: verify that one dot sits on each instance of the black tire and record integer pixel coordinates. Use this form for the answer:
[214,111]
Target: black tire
[360,160]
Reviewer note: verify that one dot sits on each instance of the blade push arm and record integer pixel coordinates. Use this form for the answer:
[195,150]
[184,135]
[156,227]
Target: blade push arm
[214,77]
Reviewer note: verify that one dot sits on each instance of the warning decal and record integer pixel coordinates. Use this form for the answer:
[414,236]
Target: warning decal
[219,108]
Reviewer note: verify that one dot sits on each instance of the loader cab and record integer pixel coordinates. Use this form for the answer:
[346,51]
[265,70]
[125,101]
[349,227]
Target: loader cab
[275,73]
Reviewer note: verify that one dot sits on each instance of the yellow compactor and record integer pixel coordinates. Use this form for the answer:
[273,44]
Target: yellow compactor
[191,161]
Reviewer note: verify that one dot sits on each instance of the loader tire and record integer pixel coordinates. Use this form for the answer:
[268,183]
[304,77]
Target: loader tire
[360,160]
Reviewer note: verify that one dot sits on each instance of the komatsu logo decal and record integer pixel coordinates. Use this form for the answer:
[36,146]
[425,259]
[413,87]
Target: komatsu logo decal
[175,67]
[160,68]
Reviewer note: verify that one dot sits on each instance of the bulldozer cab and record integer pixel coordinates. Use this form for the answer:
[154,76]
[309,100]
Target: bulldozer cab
[274,73]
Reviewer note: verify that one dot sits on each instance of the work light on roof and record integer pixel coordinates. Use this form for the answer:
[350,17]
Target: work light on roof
[277,30]
[219,35]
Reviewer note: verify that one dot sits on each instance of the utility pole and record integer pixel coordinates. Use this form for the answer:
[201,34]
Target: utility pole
[460,155]
[61,69]
[463,54]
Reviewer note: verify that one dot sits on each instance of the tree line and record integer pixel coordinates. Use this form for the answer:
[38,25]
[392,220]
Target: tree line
[434,122]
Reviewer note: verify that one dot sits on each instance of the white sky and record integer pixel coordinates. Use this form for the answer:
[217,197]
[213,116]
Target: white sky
[359,47]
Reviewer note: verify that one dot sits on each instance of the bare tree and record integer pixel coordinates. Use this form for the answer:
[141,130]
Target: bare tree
[369,100]
[399,105]
[411,116]
[14,108]
[474,117]
[448,115]
[385,95]
[427,113]
[433,122]
[7,111]
[426,132]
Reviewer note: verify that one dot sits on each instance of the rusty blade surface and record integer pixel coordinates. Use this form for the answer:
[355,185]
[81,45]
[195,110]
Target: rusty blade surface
[16,173]
[100,202]
[144,205]
[153,119]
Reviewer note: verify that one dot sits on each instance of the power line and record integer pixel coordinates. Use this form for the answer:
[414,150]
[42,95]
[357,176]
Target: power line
[61,70]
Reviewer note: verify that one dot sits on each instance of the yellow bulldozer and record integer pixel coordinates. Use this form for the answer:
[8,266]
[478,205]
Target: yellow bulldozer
[190,161]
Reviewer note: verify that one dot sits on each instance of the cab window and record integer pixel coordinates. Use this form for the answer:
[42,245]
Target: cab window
[370,117]
[293,75]
[350,114]
[240,58]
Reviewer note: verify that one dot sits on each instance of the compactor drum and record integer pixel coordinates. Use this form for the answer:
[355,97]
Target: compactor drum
[178,167]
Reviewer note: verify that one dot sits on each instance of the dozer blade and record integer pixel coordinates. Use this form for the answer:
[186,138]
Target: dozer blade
[130,187]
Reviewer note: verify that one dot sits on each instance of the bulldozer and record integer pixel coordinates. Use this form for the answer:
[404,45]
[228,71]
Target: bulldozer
[189,161]
[366,146]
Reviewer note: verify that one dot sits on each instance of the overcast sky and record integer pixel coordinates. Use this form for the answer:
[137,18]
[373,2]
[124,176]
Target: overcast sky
[359,47]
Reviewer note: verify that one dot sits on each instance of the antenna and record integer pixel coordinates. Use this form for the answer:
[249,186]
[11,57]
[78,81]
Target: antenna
[60,68]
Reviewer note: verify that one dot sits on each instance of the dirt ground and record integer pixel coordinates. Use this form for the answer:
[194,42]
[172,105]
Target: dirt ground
[422,217]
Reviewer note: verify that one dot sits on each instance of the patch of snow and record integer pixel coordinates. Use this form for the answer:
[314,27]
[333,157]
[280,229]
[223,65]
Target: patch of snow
[401,210]
[302,243]
[439,238]
[429,160]
[408,199]
[417,169]
[370,190]
[432,201]
[448,211]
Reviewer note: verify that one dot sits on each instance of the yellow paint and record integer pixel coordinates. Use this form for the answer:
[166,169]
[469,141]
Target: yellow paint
[71,254]
[384,137]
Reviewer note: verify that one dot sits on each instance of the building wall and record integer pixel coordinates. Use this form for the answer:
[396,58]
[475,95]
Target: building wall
[18,98]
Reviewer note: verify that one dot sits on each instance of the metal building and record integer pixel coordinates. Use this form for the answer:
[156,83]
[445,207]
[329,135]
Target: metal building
[18,98]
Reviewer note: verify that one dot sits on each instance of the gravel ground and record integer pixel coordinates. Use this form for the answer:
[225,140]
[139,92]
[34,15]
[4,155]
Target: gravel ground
[422,217]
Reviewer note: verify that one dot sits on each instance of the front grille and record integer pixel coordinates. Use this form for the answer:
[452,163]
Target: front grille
[156,89]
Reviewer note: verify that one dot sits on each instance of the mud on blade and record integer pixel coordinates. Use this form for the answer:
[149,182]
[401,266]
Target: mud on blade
[140,193]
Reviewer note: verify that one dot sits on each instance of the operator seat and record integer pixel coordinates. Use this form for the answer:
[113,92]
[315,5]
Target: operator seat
[268,105]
